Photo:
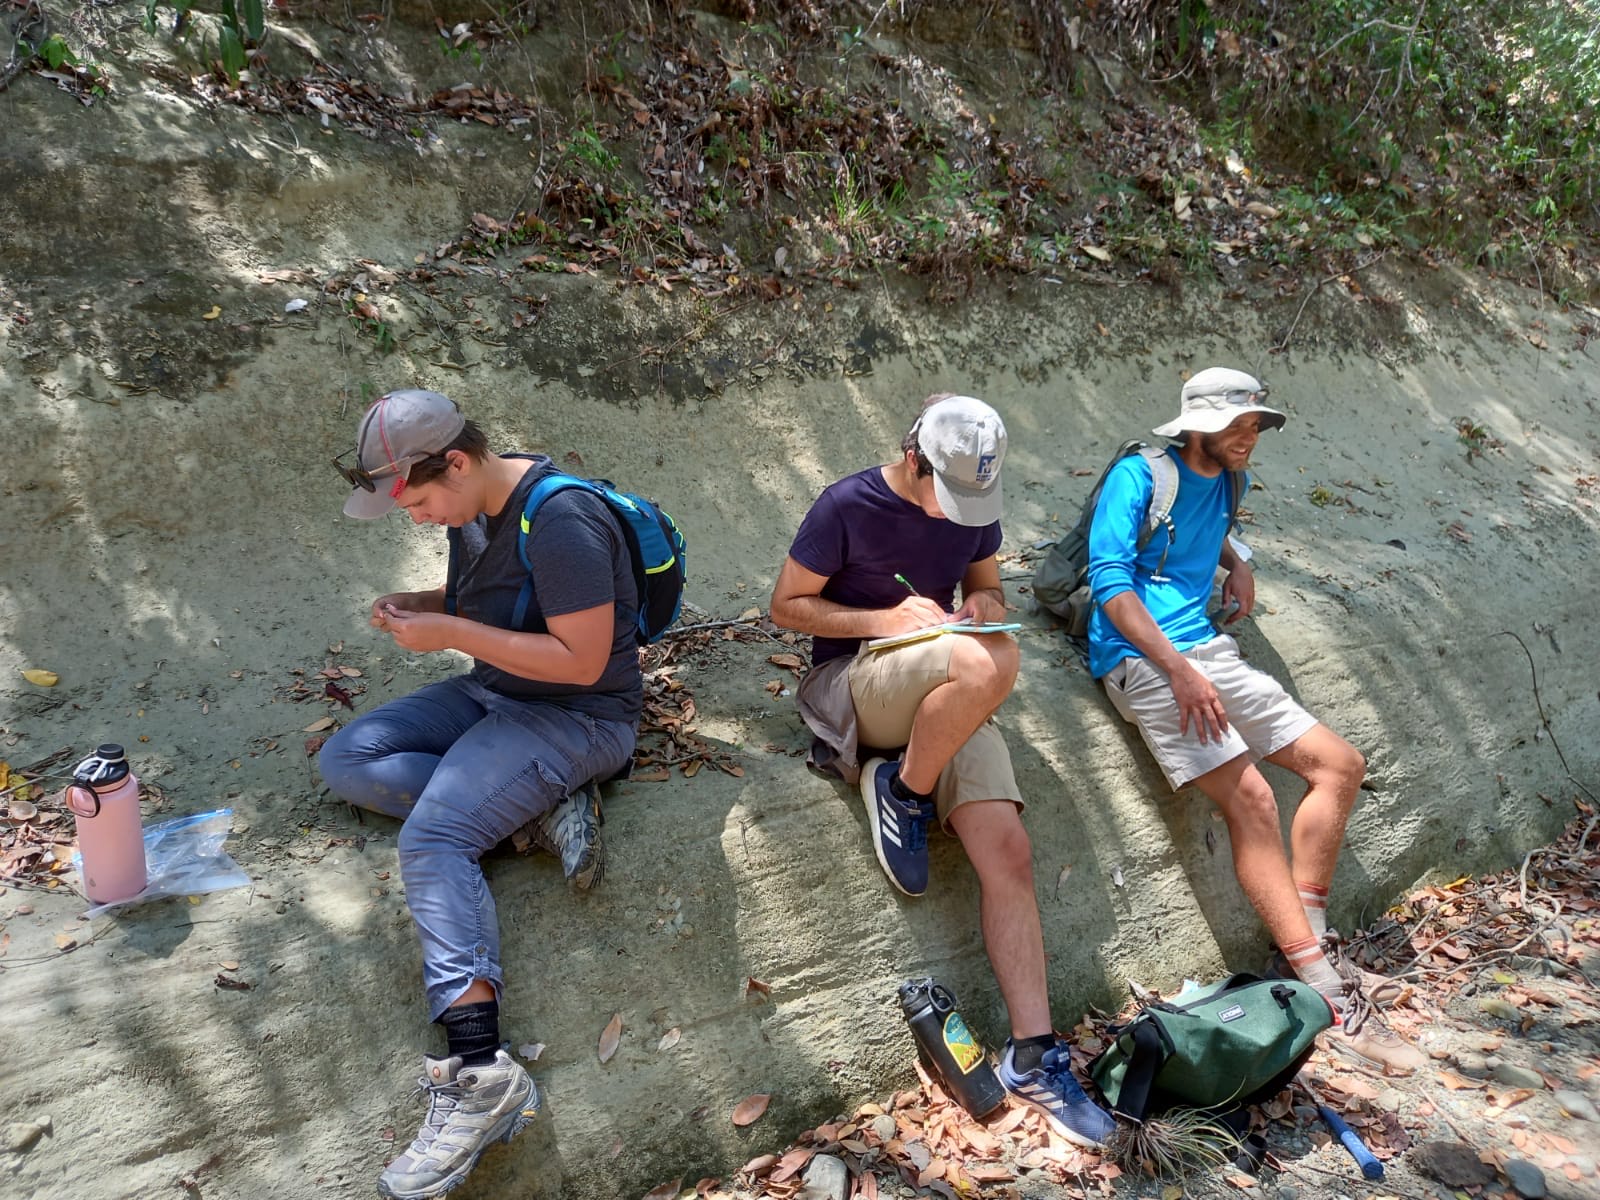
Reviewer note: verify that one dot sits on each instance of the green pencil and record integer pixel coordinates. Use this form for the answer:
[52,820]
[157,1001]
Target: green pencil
[902,579]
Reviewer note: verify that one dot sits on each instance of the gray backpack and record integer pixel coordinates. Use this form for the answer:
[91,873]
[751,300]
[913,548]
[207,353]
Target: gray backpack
[1060,583]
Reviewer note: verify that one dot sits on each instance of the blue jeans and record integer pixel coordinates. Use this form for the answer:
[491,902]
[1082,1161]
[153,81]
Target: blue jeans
[464,767]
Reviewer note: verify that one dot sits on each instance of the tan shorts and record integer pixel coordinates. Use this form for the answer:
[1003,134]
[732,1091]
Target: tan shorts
[887,686]
[1262,717]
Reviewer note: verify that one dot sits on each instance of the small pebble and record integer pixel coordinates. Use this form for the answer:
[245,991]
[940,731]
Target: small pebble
[885,1127]
[1526,1178]
[1515,1076]
[1389,1100]
[1576,1104]
[1583,1162]
[1473,1066]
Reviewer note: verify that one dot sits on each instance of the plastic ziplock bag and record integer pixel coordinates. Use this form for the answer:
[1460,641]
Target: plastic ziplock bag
[183,857]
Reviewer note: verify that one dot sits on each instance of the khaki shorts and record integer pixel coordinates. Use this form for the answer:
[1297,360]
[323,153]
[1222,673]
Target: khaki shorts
[1262,717]
[887,686]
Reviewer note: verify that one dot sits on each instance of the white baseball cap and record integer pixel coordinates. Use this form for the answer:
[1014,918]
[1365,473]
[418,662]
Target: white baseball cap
[964,440]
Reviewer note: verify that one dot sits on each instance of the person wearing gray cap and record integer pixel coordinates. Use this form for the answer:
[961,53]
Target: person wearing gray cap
[883,553]
[1208,716]
[551,704]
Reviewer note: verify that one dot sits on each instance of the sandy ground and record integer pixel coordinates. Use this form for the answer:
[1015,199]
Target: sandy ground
[173,549]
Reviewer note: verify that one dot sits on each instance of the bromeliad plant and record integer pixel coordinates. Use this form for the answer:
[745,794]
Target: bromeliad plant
[243,24]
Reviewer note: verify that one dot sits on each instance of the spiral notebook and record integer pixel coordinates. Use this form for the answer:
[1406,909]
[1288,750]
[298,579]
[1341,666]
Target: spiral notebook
[933,631]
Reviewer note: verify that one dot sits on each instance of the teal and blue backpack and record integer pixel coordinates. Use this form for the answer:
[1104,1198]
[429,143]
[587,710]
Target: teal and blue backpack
[655,549]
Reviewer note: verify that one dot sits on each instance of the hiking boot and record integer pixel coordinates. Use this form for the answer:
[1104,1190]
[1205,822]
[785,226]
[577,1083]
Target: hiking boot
[571,831]
[1050,1089]
[468,1109]
[1361,1035]
[899,829]
[1380,989]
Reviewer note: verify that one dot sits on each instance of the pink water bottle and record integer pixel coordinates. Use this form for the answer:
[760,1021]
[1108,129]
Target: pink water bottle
[104,796]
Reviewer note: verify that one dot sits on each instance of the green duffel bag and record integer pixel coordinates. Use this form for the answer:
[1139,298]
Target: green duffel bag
[1233,1043]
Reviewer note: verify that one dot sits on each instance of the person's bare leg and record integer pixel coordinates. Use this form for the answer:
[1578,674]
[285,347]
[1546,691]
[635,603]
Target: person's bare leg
[1247,804]
[991,832]
[478,991]
[983,669]
[1333,770]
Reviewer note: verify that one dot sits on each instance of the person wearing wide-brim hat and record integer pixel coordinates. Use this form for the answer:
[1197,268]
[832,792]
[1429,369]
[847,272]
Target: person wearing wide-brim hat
[510,748]
[1209,717]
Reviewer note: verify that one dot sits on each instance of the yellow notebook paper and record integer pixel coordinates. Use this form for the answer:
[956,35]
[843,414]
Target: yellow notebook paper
[933,631]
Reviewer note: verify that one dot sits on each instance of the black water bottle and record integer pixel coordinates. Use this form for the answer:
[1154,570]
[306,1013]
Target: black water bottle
[946,1044]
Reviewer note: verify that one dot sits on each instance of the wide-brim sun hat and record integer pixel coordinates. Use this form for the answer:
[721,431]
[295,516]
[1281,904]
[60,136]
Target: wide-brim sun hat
[1214,398]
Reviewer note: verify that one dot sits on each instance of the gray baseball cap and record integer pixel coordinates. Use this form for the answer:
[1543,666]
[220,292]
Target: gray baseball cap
[397,432]
[965,442]
[1214,398]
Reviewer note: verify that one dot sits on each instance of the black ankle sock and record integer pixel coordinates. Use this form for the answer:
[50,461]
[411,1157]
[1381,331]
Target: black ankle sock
[473,1031]
[899,789]
[1027,1053]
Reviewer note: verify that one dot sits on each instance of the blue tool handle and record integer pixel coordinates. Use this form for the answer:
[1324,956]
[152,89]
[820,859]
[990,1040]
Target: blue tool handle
[1371,1168]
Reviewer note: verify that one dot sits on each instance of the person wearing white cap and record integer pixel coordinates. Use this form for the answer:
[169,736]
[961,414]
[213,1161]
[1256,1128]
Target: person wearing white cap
[884,552]
[551,704]
[1207,716]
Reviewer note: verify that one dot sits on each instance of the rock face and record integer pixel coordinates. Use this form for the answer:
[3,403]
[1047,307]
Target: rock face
[176,555]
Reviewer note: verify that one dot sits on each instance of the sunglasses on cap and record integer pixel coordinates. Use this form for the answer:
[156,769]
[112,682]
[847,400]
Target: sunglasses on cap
[1241,397]
[359,476]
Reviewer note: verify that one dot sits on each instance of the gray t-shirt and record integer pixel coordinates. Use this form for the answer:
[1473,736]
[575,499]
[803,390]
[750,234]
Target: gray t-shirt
[580,560]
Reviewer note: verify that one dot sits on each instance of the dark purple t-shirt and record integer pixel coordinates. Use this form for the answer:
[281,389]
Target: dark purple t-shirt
[860,535]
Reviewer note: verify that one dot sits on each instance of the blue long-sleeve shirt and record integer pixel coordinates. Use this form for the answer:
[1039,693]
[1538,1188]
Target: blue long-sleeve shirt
[1178,600]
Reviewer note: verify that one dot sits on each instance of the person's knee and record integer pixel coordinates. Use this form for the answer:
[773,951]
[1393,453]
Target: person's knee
[1352,767]
[428,830]
[1253,811]
[340,761]
[986,665]
[1002,852]
[1342,768]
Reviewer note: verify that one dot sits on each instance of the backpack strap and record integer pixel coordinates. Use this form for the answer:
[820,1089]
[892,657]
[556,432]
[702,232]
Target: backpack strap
[1163,495]
[452,535]
[1240,484]
[537,495]
[1144,1064]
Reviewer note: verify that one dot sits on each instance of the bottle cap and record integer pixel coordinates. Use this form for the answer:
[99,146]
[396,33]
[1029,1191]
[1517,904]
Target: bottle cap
[108,764]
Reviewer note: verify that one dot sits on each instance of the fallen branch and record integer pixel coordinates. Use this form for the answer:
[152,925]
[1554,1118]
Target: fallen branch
[1295,324]
[680,630]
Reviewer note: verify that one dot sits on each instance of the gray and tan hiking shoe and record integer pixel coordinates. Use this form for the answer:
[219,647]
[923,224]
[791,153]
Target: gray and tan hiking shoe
[1380,989]
[1361,1035]
[469,1108]
[571,832]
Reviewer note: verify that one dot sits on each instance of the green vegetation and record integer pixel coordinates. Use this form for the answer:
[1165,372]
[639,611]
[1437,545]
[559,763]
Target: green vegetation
[1476,438]
[241,27]
[1233,139]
